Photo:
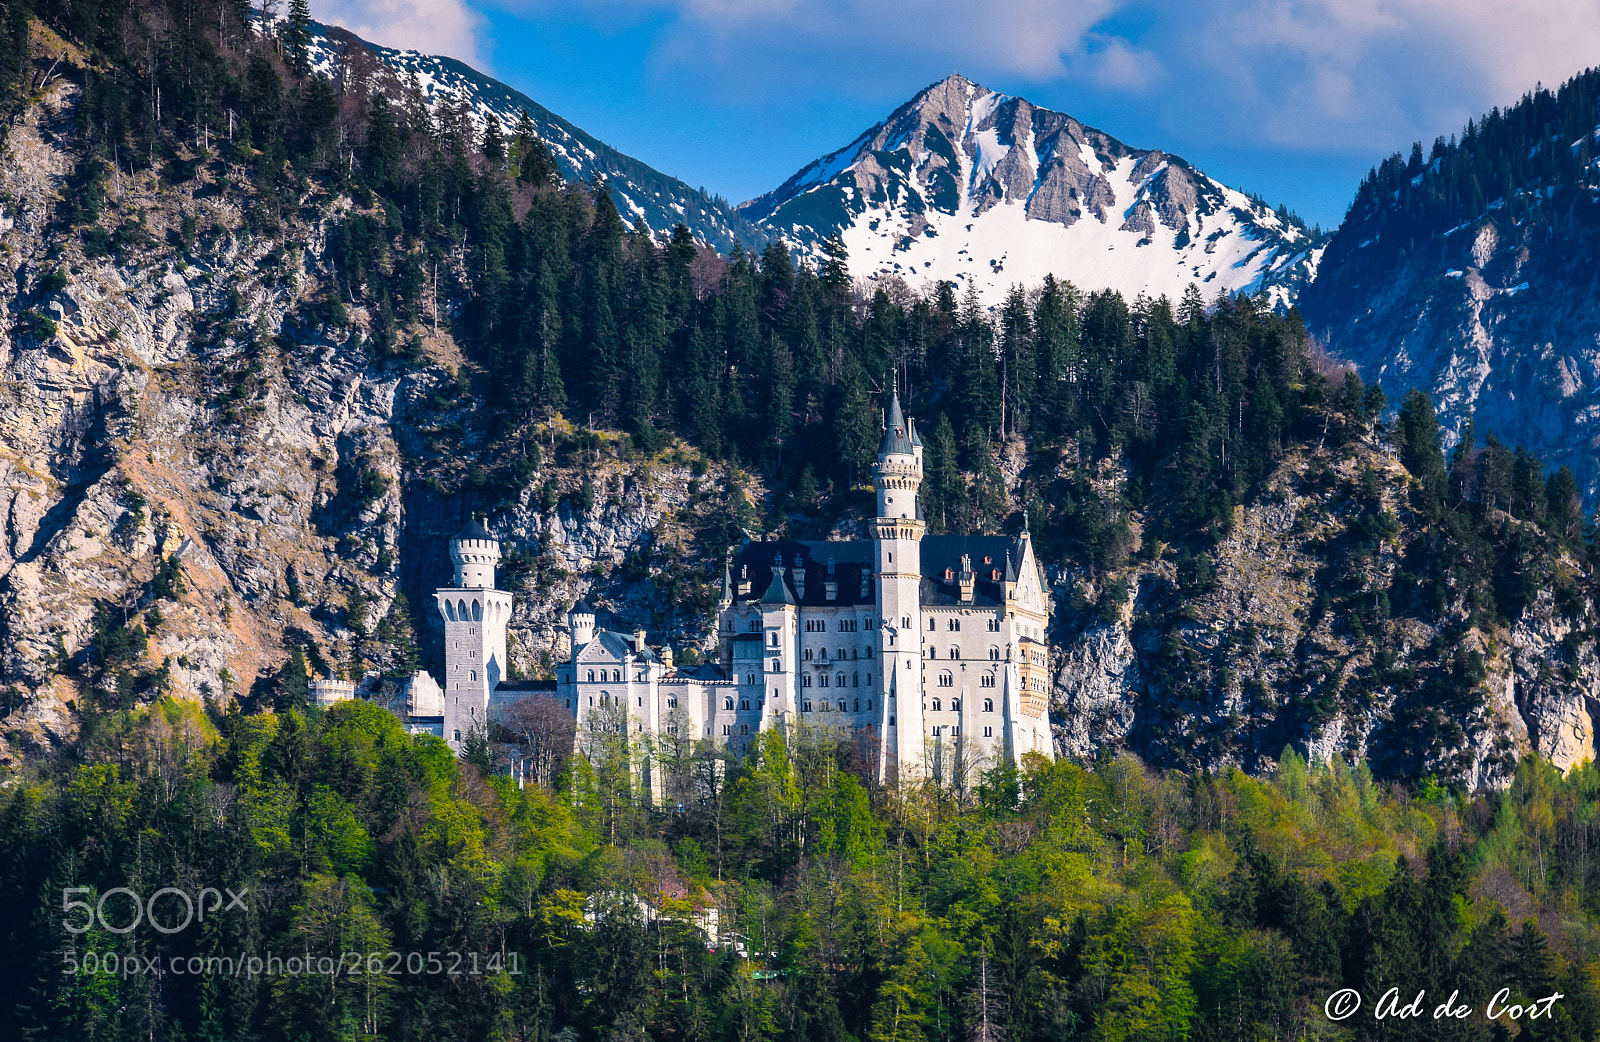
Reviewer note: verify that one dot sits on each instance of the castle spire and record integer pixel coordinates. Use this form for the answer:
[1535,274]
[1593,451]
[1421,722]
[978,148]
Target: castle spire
[896,432]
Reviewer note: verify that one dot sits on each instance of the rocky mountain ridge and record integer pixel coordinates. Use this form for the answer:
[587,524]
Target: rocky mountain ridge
[642,193]
[964,183]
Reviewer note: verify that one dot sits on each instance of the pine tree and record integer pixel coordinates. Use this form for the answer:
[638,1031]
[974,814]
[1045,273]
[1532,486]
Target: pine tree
[297,37]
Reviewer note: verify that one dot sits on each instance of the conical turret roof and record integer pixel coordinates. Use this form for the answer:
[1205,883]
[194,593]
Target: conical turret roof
[896,433]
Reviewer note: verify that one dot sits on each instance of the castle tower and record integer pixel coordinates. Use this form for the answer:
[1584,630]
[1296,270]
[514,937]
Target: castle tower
[897,541]
[580,623]
[475,617]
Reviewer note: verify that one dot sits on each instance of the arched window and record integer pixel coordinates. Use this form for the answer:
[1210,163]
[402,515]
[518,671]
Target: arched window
[605,698]
[744,703]
[955,624]
[946,680]
[936,705]
[805,680]
[869,683]
[933,652]
[869,705]
[727,703]
[477,611]
[591,700]
[750,680]
[891,719]
[933,624]
[841,705]
[841,680]
[472,674]
[591,676]
[569,703]
[955,652]
[822,680]
[807,706]
[806,655]
[449,611]
[774,640]
[858,705]
[955,705]
[987,680]
[744,728]
[461,610]
[458,734]
[616,675]
[994,654]
[855,680]
[641,701]
[988,705]
[822,653]
[755,625]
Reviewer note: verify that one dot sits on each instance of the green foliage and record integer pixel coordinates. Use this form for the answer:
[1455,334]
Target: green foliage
[1065,900]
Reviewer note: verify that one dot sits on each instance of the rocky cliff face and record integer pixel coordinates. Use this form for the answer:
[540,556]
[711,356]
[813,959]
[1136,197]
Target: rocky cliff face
[1233,664]
[968,184]
[180,411]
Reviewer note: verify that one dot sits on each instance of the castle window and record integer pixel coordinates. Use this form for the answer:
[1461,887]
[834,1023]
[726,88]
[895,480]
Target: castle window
[955,652]
[869,652]
[955,731]
[744,703]
[755,625]
[472,674]
[605,698]
[994,654]
[750,680]
[477,611]
[869,705]
[936,730]
[641,702]
[841,705]
[449,611]
[891,719]
[727,703]
[987,559]
[672,703]
[855,680]
[458,734]
[869,684]
[987,680]
[955,624]
[842,653]
[841,680]
[805,680]
[822,653]
[994,625]
[988,705]
[988,732]
[569,703]
[727,728]
[807,708]
[591,676]
[461,609]
[955,705]
[905,622]
[744,728]
[822,680]
[949,573]
[776,666]
[936,705]
[591,700]
[858,705]
[774,638]
[933,652]
[807,654]
[946,680]
[933,624]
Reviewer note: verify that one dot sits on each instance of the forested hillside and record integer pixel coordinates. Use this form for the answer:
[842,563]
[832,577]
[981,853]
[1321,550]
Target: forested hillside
[1094,901]
[1458,271]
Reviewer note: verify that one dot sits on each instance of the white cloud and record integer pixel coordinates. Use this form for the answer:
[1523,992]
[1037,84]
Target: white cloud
[433,26]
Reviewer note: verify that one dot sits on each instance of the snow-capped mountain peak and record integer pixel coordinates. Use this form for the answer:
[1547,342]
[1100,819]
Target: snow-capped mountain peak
[966,184]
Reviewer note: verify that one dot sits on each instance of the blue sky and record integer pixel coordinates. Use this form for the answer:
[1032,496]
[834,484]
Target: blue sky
[1292,99]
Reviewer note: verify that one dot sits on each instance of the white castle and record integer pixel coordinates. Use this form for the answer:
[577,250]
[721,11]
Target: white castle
[931,647]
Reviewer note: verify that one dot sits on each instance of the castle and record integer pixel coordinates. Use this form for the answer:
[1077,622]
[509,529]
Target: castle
[931,648]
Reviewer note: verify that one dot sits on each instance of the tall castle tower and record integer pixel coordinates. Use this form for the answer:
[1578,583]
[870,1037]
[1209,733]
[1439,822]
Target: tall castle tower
[475,616]
[897,545]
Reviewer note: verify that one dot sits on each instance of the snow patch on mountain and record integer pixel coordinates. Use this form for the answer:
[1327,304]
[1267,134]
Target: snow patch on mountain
[969,185]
